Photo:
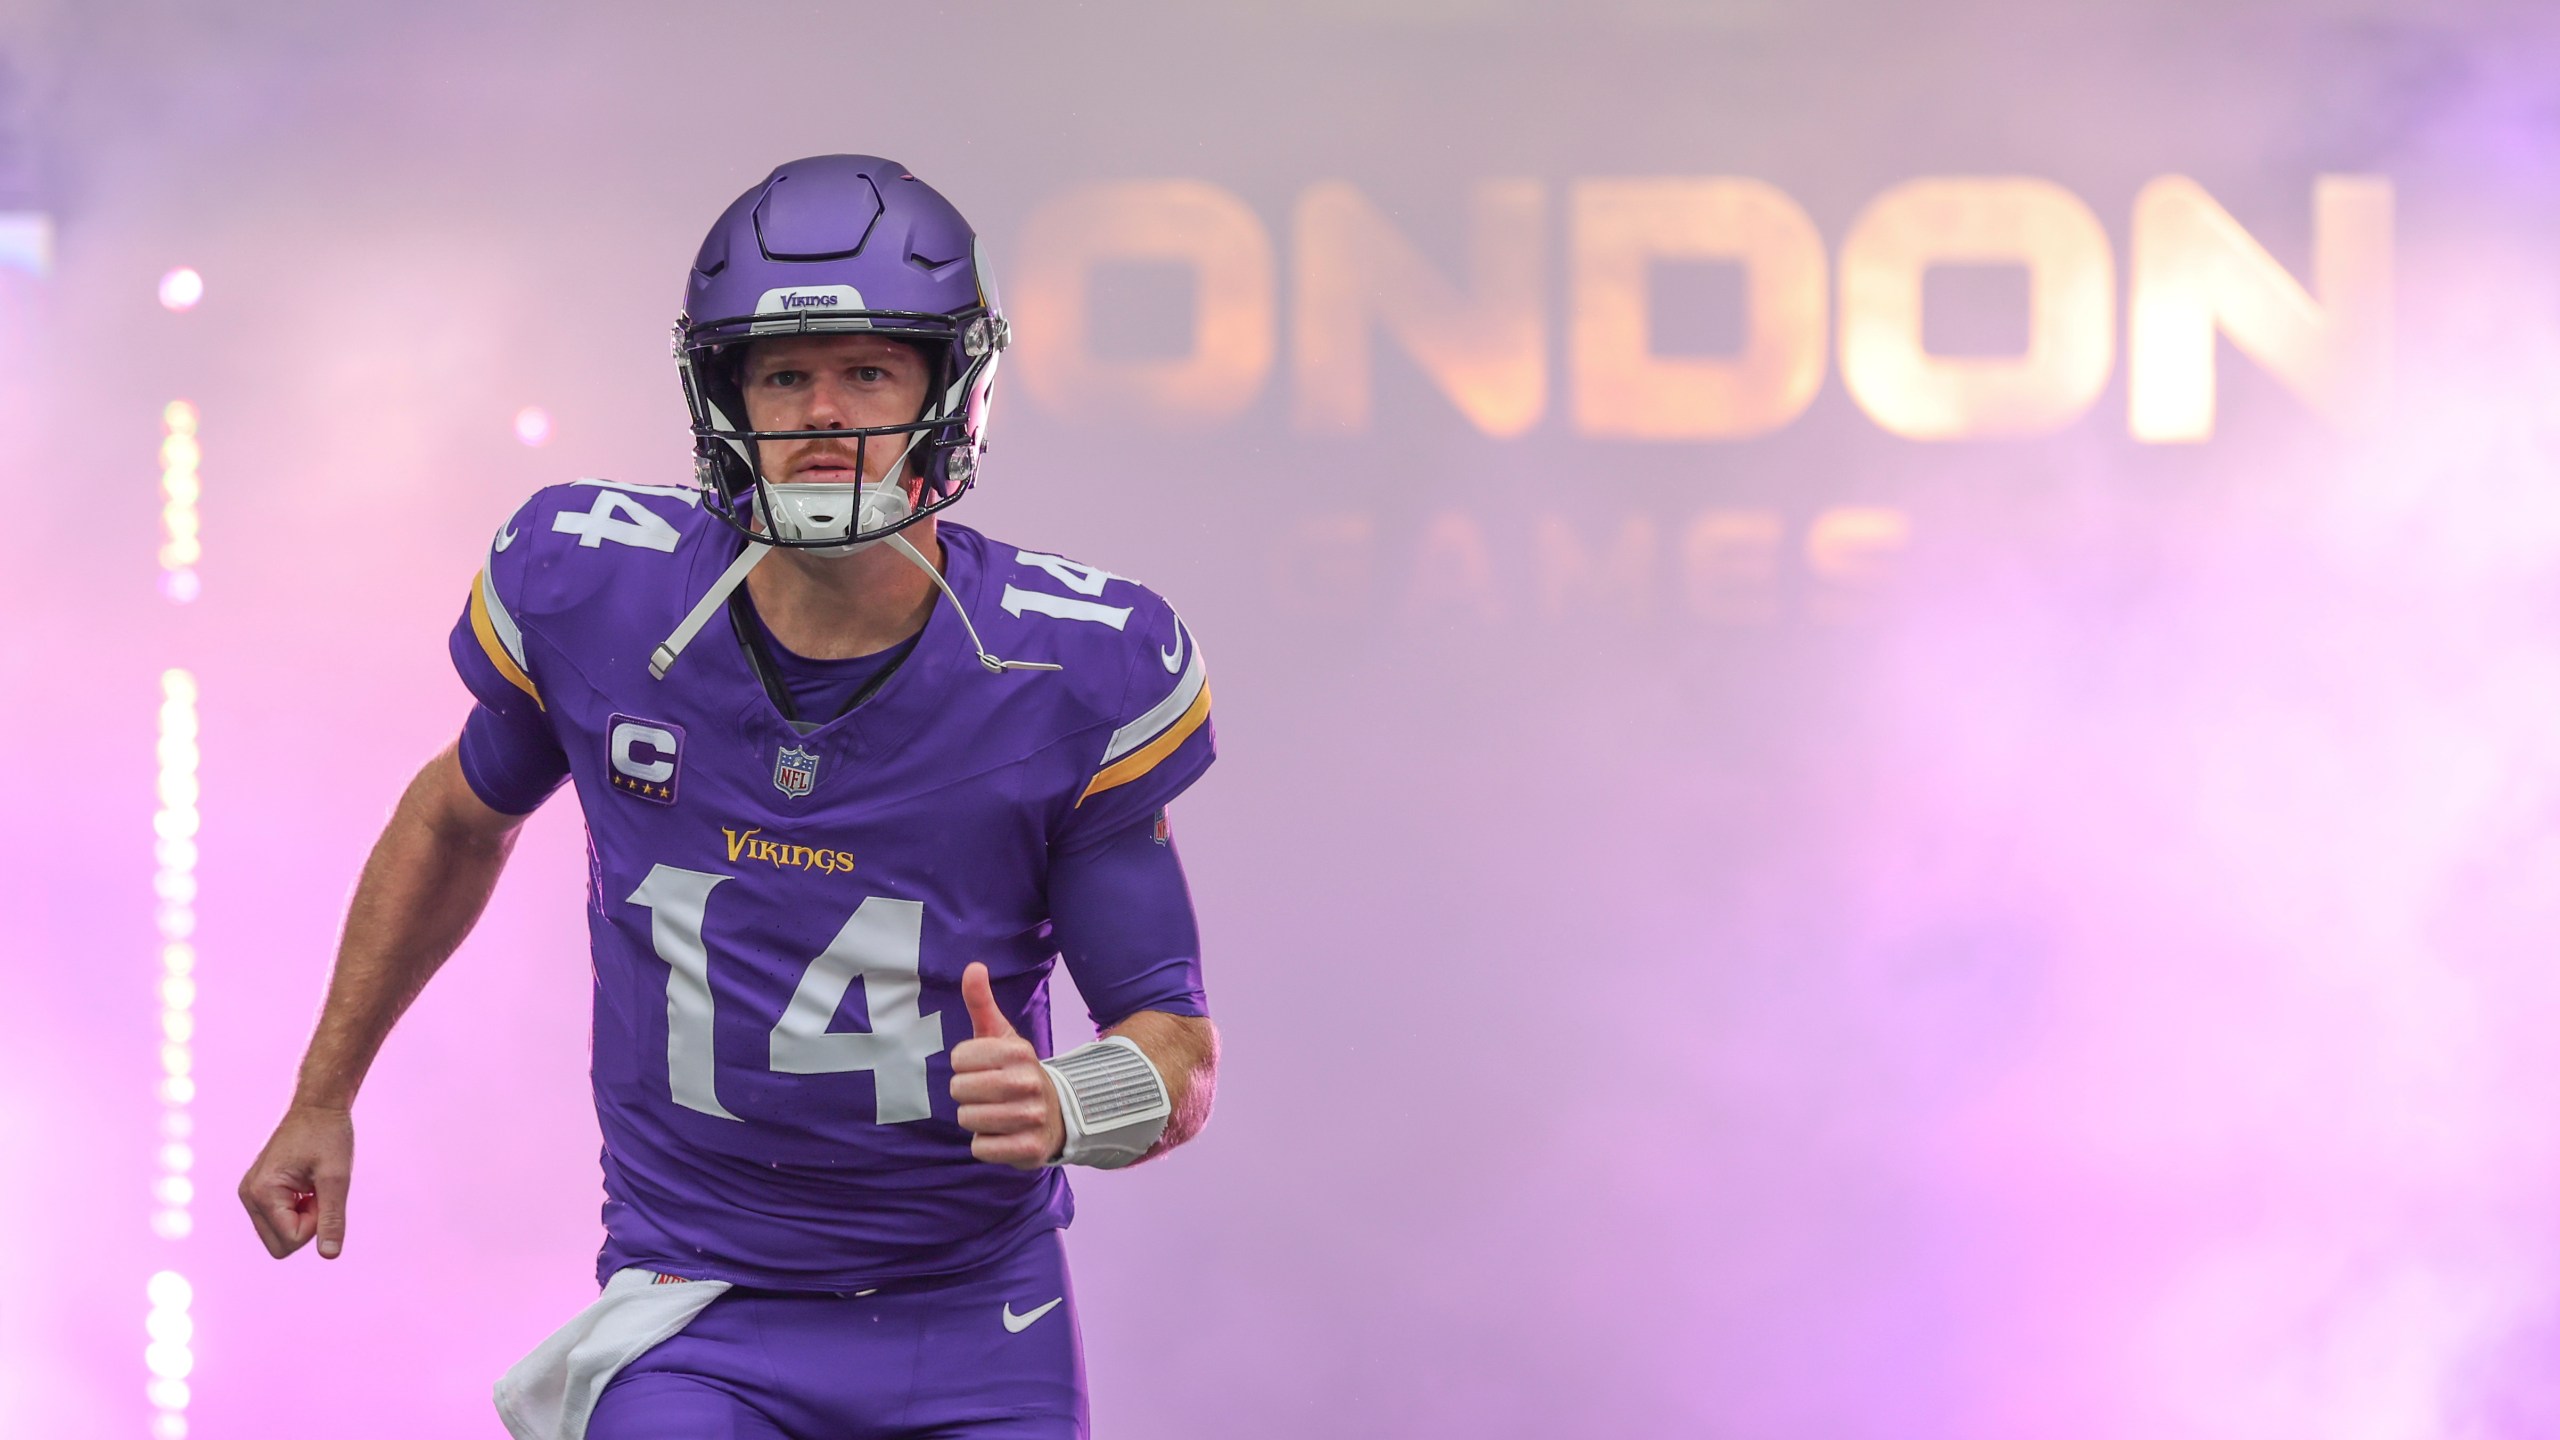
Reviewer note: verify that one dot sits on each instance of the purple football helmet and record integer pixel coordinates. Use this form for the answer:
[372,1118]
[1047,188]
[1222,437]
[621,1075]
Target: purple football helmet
[839,243]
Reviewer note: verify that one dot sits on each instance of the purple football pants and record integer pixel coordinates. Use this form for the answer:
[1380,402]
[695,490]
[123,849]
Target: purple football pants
[988,1353]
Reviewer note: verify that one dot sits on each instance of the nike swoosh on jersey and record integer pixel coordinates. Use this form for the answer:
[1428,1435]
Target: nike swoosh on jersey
[1173,658]
[1016,1324]
[507,536]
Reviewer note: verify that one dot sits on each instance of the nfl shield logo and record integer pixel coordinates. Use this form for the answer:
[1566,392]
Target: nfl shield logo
[795,771]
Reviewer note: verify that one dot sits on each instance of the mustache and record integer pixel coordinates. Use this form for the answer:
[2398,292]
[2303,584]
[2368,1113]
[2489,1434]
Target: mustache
[827,450]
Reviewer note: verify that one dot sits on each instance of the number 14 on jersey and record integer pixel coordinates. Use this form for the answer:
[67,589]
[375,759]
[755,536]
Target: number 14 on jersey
[881,945]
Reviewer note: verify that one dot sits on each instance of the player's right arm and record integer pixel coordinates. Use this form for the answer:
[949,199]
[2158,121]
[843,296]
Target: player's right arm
[422,890]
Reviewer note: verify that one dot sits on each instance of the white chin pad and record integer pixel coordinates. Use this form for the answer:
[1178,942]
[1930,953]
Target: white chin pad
[823,510]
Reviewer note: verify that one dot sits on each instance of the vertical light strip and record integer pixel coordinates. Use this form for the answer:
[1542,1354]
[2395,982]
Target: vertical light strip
[181,540]
[171,1353]
[170,1356]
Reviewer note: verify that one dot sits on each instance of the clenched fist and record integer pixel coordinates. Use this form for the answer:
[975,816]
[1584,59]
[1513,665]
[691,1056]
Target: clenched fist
[298,1188]
[1005,1099]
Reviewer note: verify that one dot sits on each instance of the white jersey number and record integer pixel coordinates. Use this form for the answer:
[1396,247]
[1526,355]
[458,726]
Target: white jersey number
[618,518]
[1086,580]
[881,946]
[1082,579]
[1064,607]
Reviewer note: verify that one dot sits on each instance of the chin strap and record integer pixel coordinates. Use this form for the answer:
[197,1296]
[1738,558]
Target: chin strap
[898,542]
[730,579]
[994,666]
[664,658]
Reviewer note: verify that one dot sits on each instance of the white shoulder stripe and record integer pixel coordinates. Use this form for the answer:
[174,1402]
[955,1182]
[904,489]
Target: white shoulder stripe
[499,620]
[1171,708]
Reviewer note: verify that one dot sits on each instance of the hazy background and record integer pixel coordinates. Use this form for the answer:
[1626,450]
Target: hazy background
[2089,973]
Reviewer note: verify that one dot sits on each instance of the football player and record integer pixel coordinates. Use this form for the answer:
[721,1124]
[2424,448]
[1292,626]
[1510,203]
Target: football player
[854,777]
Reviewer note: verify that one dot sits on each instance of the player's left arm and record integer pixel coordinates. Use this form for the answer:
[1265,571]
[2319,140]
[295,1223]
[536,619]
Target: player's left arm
[1120,911]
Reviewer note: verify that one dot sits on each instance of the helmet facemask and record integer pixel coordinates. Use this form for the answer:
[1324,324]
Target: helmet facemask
[935,455]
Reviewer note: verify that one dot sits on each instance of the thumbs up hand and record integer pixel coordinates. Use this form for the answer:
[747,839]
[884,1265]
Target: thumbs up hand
[1005,1100]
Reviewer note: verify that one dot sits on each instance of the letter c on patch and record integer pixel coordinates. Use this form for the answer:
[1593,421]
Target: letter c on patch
[629,736]
[645,756]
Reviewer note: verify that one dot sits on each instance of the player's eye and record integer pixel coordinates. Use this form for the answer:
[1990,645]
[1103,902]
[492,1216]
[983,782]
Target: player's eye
[870,374]
[783,378]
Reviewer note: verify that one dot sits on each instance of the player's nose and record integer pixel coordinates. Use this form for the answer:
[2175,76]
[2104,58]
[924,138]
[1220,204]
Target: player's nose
[827,406]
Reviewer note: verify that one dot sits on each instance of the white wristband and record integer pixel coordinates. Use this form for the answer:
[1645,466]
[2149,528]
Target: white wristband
[1114,1102]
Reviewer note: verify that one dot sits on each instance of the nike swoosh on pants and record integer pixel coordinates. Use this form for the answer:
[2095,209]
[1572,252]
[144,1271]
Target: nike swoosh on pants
[1016,1324]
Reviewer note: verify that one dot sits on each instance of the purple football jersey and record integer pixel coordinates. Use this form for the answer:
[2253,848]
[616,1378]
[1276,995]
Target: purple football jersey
[780,920]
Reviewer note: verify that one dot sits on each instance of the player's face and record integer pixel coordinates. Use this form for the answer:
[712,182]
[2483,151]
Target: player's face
[831,382]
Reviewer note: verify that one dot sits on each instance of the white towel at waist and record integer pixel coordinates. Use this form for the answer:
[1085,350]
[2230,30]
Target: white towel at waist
[549,1394]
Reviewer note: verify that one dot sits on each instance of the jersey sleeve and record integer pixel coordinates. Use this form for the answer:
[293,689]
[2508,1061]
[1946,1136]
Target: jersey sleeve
[487,644]
[510,752]
[1162,739]
[1121,913]
[511,760]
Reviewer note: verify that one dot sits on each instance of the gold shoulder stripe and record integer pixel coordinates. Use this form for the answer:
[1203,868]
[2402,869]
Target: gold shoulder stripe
[1138,762]
[497,652]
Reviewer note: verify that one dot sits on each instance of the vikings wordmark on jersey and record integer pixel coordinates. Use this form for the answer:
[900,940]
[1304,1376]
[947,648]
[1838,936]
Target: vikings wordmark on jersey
[773,1021]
